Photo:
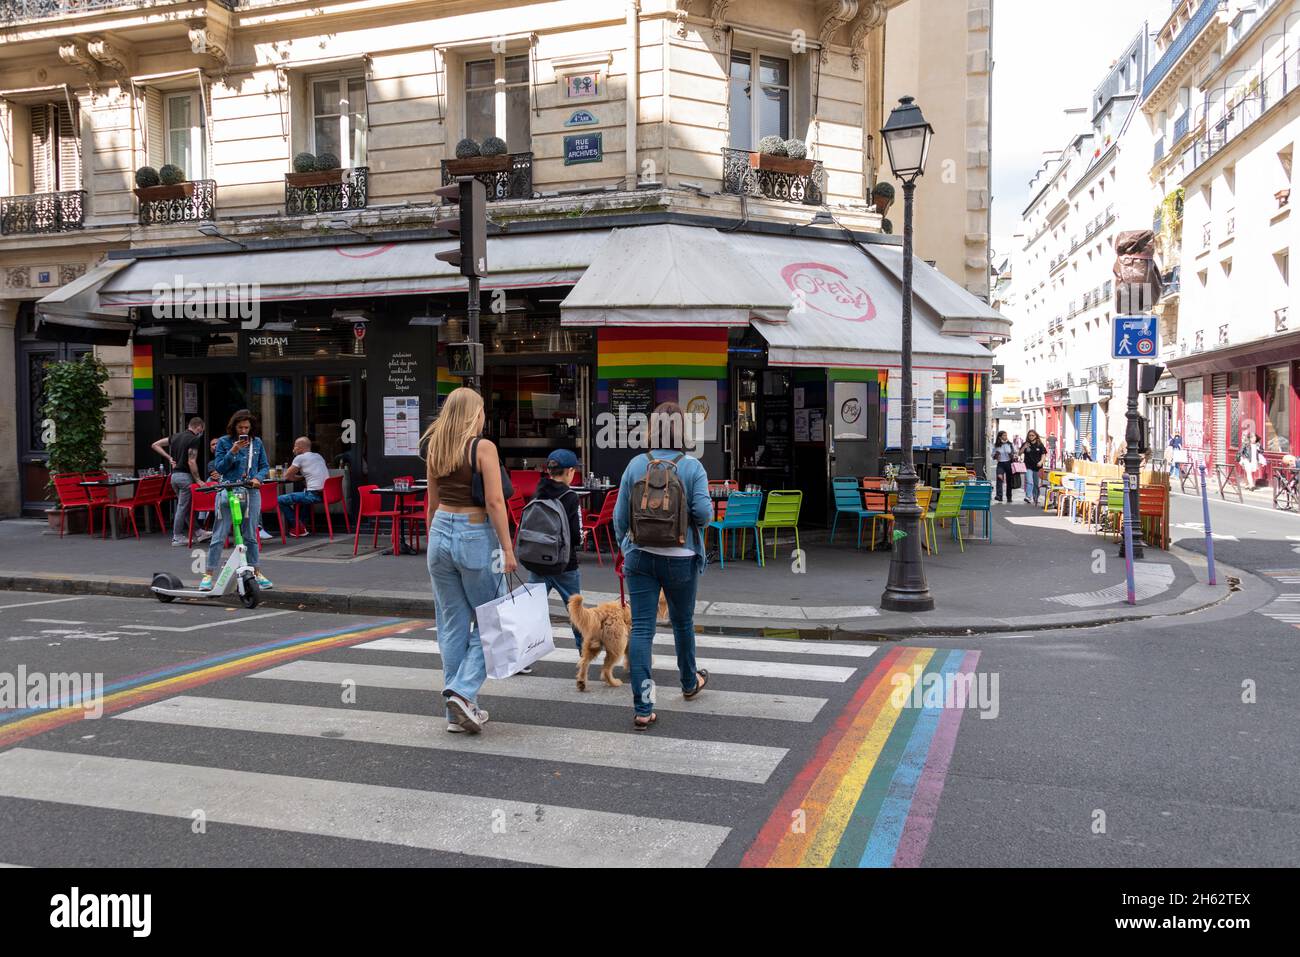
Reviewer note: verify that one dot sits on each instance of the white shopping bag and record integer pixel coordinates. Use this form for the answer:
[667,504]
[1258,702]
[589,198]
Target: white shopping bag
[515,630]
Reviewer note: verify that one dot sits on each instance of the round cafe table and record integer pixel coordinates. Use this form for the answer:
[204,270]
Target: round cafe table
[401,546]
[114,487]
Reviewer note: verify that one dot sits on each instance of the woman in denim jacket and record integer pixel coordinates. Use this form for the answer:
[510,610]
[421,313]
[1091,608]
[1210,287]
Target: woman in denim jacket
[674,570]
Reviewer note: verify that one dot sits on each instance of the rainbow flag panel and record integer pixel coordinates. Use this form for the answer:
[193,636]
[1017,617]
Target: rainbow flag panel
[142,377]
[678,354]
[958,394]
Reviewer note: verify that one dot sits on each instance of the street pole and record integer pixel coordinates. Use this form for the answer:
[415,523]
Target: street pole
[471,313]
[907,589]
[1133,460]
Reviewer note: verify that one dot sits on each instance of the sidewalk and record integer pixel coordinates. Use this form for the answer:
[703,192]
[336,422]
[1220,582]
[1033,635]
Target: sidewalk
[1038,572]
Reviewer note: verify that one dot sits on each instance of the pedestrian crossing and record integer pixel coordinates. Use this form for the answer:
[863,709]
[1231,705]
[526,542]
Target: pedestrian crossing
[558,777]
[1286,606]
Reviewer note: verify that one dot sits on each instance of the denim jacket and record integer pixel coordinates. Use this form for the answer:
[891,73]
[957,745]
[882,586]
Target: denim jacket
[695,482]
[234,468]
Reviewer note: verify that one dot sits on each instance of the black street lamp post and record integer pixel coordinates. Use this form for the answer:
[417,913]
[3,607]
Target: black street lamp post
[907,138]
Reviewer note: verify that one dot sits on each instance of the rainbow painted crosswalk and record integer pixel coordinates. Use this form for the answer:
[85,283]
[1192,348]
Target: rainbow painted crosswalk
[869,795]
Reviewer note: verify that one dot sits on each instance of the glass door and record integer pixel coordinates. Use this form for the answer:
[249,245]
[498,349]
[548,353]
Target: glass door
[271,400]
[327,415]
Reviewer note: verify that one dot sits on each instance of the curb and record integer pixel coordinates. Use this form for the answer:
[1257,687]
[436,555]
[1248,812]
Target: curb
[411,605]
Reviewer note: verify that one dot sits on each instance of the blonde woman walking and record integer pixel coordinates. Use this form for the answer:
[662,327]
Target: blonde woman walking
[468,533]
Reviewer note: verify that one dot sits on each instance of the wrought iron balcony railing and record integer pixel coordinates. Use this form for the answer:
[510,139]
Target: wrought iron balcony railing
[197,203]
[741,177]
[59,212]
[12,11]
[349,192]
[513,182]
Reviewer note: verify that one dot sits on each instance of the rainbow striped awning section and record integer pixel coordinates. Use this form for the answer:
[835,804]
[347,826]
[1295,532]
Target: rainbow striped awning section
[626,353]
[142,377]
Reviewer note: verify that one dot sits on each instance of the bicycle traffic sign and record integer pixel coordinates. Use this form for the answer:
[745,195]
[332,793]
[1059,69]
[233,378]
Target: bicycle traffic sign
[1135,337]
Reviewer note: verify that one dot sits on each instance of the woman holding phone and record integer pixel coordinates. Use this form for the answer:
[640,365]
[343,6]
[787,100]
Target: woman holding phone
[470,550]
[239,457]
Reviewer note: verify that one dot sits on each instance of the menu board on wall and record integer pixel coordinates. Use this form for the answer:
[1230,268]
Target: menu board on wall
[777,424]
[402,374]
[401,425]
[629,397]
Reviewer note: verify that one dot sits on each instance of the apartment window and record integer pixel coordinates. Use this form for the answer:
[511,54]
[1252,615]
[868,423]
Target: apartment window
[1283,259]
[762,113]
[56,156]
[497,101]
[182,114]
[339,118]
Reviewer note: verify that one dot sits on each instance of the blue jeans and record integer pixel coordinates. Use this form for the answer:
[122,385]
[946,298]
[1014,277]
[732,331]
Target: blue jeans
[290,499]
[222,527]
[181,482]
[566,584]
[1031,484]
[460,559]
[646,575]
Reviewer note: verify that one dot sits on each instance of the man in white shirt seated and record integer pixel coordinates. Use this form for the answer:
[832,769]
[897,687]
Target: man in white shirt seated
[306,465]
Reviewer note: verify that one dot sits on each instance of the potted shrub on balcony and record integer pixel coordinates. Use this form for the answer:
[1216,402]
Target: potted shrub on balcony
[782,156]
[74,407]
[472,158]
[310,170]
[156,185]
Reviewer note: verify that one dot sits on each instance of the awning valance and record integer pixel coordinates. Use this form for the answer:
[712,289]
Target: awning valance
[74,312]
[328,272]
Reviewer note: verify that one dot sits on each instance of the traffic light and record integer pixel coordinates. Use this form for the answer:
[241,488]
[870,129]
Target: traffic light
[1149,376]
[469,225]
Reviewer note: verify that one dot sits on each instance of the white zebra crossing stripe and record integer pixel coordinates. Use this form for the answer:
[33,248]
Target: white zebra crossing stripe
[721,666]
[732,704]
[724,760]
[776,646]
[432,820]
[1149,580]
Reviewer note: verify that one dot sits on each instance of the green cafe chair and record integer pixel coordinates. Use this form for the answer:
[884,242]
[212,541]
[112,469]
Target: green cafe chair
[948,507]
[781,511]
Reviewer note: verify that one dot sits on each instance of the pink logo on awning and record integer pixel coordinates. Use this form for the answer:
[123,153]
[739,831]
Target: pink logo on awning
[824,288]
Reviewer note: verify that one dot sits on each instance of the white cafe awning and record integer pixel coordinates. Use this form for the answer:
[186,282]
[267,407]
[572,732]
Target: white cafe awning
[818,303]
[74,312]
[665,275]
[328,272]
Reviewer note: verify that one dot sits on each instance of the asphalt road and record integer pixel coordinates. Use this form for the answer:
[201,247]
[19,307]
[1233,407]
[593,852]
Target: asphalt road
[232,737]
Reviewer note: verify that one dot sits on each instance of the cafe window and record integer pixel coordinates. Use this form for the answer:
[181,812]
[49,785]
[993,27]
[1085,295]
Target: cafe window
[1277,405]
[496,101]
[759,98]
[533,406]
[512,334]
[199,344]
[324,342]
[339,124]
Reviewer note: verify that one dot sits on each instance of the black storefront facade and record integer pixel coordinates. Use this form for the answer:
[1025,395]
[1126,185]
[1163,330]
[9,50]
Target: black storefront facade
[785,343]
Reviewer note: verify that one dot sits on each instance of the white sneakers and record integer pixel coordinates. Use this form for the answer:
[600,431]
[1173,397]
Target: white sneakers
[465,716]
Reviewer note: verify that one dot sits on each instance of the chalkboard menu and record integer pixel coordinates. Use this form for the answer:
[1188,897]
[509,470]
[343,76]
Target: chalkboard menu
[777,424]
[629,397]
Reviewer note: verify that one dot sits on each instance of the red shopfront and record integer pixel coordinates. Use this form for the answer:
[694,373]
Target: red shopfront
[1232,392]
[1054,402]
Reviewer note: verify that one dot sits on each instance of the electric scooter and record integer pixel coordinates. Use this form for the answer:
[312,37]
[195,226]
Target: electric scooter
[236,573]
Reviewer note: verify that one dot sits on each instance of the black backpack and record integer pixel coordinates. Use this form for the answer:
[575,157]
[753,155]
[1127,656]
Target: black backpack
[543,545]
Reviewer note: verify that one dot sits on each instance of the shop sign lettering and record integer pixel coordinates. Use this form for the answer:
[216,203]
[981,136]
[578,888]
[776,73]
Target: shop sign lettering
[827,290]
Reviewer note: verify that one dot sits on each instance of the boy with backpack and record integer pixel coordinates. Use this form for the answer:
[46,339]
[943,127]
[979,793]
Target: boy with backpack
[550,531]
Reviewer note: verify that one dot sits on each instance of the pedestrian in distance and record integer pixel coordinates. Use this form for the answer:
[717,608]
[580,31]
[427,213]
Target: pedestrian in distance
[663,506]
[1031,453]
[182,454]
[470,552]
[239,457]
[1251,457]
[1004,453]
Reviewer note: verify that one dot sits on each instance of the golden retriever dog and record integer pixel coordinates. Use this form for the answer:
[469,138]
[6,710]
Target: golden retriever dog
[606,627]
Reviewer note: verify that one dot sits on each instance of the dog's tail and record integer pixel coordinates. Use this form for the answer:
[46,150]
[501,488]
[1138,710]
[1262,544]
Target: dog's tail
[580,617]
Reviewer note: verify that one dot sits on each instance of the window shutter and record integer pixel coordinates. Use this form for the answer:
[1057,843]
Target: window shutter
[41,162]
[155,128]
[69,145]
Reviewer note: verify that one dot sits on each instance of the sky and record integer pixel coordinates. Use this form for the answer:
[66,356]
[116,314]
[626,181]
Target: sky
[1048,55]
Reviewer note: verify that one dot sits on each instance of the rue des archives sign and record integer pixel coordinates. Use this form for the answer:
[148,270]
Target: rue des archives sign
[583,148]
